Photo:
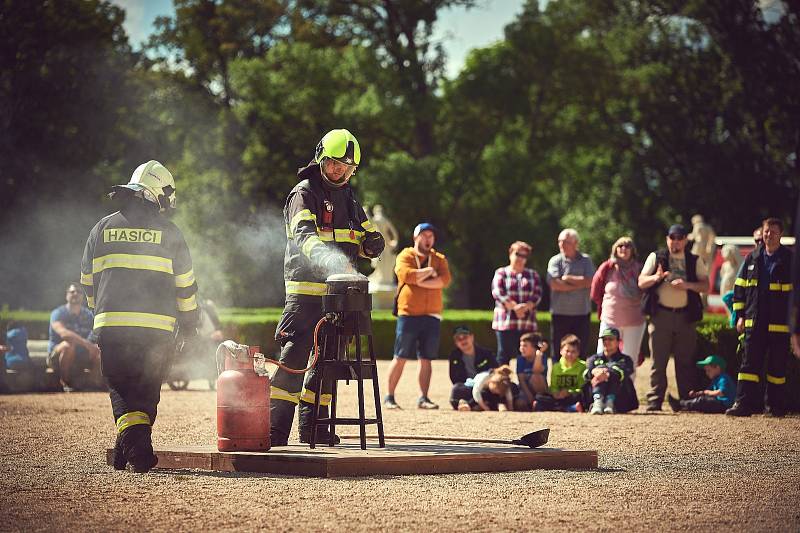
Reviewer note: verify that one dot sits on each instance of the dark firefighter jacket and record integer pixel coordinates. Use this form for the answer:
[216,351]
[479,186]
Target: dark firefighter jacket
[325,229]
[484,360]
[138,277]
[746,291]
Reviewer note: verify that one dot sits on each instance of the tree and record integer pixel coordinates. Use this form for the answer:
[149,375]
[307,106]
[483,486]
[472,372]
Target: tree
[64,70]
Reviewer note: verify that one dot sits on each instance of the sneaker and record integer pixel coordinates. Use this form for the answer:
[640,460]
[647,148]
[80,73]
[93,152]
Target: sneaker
[463,405]
[426,403]
[739,410]
[389,403]
[608,408]
[653,406]
[597,407]
[674,403]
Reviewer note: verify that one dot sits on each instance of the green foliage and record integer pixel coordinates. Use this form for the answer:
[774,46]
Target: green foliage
[609,117]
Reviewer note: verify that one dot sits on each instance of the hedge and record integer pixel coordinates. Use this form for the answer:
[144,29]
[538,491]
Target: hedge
[257,327]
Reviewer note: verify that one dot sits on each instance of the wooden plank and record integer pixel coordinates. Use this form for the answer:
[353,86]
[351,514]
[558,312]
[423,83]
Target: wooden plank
[350,460]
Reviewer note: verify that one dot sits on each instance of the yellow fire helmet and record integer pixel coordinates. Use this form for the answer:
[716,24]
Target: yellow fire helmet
[155,183]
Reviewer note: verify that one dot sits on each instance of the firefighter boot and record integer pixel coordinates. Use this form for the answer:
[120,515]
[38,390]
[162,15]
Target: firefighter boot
[281,415]
[138,448]
[118,457]
[323,433]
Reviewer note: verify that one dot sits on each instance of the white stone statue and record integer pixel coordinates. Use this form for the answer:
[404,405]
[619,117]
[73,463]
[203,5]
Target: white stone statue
[383,276]
[729,268]
[703,237]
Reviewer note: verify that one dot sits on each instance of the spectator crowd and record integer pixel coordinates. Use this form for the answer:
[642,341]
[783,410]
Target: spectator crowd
[571,372]
[664,295]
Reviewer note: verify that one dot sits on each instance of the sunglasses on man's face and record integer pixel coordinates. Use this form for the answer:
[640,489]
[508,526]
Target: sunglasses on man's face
[677,237]
[625,245]
[521,256]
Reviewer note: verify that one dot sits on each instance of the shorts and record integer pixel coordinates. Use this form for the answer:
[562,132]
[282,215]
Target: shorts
[82,358]
[417,337]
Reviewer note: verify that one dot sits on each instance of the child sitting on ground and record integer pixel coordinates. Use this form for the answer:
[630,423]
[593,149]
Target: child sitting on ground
[610,374]
[717,398]
[531,370]
[493,390]
[566,380]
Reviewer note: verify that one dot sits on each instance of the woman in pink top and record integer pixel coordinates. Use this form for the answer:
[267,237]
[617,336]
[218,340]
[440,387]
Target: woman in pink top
[616,292]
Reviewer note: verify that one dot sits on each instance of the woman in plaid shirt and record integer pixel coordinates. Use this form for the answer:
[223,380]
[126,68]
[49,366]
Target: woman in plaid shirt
[516,291]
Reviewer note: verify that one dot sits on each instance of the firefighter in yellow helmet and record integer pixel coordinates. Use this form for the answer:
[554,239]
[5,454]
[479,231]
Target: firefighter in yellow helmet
[138,278]
[327,230]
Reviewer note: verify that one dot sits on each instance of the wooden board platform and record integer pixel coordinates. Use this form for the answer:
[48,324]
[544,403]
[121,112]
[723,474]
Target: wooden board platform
[349,459]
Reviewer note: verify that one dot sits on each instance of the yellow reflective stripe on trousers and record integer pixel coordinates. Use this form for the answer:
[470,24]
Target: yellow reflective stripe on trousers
[744,376]
[343,235]
[308,288]
[783,287]
[309,245]
[778,328]
[134,418]
[309,396]
[776,381]
[276,393]
[87,279]
[187,304]
[184,280]
[738,306]
[305,214]
[368,225]
[134,320]
[132,261]
[746,283]
[748,322]
[90,302]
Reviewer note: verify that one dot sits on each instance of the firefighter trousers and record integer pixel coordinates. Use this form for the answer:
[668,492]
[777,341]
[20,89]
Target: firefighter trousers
[763,348]
[134,373]
[295,333]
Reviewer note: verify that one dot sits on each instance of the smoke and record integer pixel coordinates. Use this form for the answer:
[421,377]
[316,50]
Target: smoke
[41,253]
[241,264]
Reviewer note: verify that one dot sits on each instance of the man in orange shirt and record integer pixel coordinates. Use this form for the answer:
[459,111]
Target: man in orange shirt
[422,273]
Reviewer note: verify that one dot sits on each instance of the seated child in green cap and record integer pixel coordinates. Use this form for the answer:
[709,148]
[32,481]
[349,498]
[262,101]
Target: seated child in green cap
[717,398]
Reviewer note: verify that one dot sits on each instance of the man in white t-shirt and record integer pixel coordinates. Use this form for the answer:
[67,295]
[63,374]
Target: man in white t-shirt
[673,279]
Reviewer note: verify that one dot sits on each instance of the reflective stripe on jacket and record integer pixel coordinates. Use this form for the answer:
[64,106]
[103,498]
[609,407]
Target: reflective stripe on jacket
[316,249]
[746,291]
[137,274]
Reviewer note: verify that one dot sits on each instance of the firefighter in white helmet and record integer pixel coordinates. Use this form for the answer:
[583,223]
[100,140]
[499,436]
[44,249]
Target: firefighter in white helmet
[137,274]
[327,230]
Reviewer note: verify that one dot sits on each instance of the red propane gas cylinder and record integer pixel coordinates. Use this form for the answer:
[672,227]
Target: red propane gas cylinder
[242,406]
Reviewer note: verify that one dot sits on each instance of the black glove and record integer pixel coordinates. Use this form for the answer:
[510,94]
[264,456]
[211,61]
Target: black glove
[373,244]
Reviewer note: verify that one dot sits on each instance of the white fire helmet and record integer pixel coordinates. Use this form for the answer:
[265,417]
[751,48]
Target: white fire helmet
[155,183]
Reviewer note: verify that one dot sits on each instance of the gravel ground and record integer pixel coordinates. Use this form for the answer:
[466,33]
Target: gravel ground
[659,471]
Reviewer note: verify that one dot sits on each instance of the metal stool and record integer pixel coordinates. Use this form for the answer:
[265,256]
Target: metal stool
[347,306]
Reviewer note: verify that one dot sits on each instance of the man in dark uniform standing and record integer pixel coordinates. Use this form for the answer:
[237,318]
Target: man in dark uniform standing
[137,275]
[327,230]
[761,296]
[795,309]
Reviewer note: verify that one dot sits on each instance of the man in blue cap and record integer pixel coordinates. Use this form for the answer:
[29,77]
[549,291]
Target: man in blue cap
[422,274]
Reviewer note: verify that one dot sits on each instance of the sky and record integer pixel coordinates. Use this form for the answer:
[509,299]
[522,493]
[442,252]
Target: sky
[461,30]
